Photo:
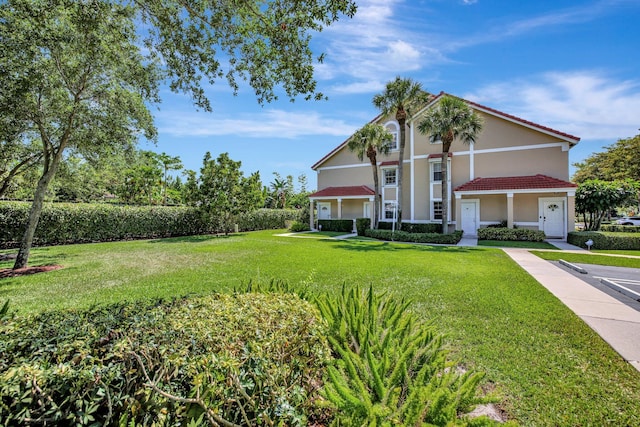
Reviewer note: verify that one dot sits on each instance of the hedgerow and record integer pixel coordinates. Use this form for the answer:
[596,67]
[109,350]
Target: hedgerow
[66,223]
[410,227]
[605,240]
[245,359]
[514,234]
[345,225]
[403,236]
[616,228]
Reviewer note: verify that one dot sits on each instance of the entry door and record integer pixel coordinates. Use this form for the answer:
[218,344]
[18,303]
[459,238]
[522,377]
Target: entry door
[470,213]
[553,218]
[324,210]
[366,210]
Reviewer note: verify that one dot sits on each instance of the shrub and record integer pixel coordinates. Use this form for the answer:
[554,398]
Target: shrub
[616,228]
[267,219]
[345,225]
[501,224]
[403,236]
[362,225]
[410,227]
[246,359]
[297,226]
[392,367]
[515,234]
[605,240]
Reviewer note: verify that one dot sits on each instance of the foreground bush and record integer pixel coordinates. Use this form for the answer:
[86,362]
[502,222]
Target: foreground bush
[247,359]
[403,236]
[514,234]
[345,225]
[605,240]
[362,225]
[410,227]
[268,219]
[391,367]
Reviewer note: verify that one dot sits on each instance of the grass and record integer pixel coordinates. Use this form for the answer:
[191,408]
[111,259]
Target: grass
[587,258]
[516,244]
[545,364]
[611,252]
[321,234]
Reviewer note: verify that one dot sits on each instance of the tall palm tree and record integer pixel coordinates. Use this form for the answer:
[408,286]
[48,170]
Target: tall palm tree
[402,97]
[451,119]
[370,140]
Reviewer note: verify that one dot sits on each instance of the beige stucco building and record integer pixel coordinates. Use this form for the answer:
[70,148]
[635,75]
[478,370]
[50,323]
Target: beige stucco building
[516,171]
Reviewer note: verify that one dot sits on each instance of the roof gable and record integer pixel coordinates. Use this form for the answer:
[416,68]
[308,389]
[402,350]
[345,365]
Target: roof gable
[533,182]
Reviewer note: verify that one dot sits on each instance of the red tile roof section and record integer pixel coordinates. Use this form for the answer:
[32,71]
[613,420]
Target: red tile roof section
[360,190]
[515,183]
[390,163]
[439,155]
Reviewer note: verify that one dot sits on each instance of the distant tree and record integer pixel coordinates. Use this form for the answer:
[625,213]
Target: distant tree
[222,192]
[402,98]
[449,120]
[618,162]
[368,141]
[595,198]
[142,183]
[168,163]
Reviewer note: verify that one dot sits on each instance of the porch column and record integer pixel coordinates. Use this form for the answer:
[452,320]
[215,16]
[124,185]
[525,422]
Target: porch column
[459,211]
[339,208]
[571,212]
[311,221]
[510,210]
[372,211]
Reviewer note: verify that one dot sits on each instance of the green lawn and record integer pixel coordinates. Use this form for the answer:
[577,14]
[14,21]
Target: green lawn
[516,244]
[632,253]
[546,366]
[590,258]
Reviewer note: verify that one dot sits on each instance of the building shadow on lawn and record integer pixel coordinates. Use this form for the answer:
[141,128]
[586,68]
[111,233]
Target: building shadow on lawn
[372,246]
[196,239]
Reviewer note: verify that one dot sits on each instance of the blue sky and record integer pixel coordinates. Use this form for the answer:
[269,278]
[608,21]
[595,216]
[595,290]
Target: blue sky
[570,65]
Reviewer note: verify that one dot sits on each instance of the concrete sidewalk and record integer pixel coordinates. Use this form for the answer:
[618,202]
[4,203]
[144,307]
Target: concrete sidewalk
[617,323]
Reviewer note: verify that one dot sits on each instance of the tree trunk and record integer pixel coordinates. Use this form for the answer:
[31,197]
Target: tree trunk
[34,214]
[376,200]
[401,117]
[445,186]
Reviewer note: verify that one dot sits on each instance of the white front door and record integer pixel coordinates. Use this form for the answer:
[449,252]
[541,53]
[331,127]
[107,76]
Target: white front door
[553,216]
[324,210]
[470,216]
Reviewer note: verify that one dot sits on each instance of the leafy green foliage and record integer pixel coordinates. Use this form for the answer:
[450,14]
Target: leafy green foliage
[403,236]
[345,225]
[605,240]
[297,226]
[247,359]
[515,234]
[391,367]
[619,161]
[267,219]
[362,224]
[595,198]
[620,228]
[413,228]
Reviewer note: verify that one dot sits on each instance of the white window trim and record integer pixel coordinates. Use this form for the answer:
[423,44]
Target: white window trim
[439,161]
[384,178]
[432,209]
[395,132]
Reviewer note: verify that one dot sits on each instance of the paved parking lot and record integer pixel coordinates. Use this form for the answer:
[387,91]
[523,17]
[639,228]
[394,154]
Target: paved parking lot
[620,283]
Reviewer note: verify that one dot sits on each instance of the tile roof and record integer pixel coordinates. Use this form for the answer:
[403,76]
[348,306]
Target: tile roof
[515,183]
[439,155]
[390,163]
[360,190]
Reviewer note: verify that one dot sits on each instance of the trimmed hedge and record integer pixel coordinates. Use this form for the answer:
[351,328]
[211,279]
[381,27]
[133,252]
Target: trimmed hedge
[345,225]
[616,228]
[248,359]
[362,225]
[297,226]
[66,223]
[514,234]
[410,227]
[605,240]
[403,236]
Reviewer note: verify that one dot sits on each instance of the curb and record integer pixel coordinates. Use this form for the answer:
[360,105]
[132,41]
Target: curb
[572,266]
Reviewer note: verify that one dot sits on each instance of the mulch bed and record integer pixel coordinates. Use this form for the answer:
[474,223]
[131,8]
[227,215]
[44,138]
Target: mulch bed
[8,272]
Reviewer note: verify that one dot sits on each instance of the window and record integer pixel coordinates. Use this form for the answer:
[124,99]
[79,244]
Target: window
[389,176]
[436,172]
[392,127]
[389,210]
[437,210]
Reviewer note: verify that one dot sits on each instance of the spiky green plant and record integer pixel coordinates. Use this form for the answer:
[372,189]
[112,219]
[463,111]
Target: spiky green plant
[391,368]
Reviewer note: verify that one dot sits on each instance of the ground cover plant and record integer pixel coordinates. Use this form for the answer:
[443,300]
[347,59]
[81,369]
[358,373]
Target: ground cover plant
[516,244]
[546,366]
[590,258]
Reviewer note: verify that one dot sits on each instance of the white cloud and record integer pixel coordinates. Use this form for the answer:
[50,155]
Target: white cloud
[270,124]
[587,104]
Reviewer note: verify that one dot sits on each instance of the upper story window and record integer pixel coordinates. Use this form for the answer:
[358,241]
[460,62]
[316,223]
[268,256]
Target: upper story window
[436,172]
[389,177]
[394,130]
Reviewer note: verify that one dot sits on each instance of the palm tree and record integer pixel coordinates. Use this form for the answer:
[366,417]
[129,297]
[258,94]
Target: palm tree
[168,163]
[279,187]
[452,118]
[401,97]
[370,140]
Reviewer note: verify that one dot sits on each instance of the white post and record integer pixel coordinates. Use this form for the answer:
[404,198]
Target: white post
[339,208]
[311,221]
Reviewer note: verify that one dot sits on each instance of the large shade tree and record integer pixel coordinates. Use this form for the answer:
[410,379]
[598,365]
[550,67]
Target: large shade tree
[370,140]
[402,98]
[75,73]
[447,121]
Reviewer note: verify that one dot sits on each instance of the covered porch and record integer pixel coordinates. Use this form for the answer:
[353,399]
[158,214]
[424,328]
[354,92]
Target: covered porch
[349,202]
[536,202]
